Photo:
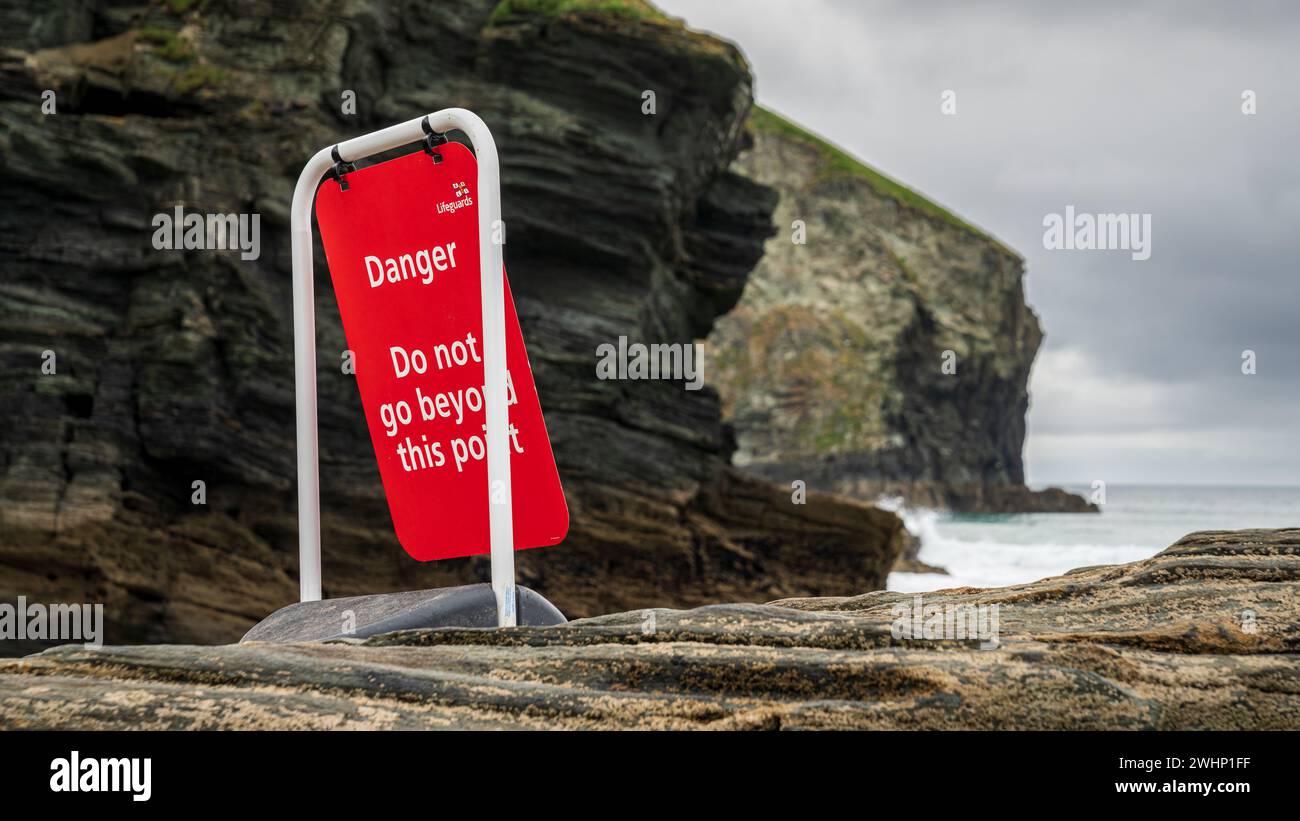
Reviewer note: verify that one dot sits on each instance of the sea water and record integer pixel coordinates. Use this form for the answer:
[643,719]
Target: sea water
[1136,522]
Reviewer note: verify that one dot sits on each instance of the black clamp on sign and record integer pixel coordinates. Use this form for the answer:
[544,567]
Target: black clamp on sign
[432,139]
[340,168]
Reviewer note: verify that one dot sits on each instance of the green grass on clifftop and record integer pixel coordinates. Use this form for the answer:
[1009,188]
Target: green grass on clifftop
[838,162]
[635,9]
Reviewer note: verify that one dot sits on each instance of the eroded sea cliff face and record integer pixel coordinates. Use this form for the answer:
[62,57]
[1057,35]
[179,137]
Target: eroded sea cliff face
[882,345]
[176,367]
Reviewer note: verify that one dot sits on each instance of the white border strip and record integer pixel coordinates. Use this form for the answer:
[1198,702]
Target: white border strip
[501,506]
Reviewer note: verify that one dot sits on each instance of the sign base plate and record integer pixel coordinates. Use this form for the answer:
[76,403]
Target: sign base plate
[359,617]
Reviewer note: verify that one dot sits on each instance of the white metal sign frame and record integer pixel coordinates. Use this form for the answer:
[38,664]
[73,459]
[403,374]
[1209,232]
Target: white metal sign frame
[500,507]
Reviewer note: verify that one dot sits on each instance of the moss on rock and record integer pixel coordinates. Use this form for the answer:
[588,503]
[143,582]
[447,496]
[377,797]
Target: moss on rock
[634,9]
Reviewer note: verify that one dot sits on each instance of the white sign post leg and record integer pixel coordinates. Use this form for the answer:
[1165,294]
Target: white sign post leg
[491,238]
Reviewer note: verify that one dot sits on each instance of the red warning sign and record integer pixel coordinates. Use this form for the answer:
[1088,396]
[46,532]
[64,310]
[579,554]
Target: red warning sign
[402,244]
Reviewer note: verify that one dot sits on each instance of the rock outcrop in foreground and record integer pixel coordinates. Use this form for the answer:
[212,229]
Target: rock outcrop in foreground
[1204,635]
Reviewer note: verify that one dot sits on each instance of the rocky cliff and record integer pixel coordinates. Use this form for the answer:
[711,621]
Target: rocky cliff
[882,345]
[1205,635]
[176,367]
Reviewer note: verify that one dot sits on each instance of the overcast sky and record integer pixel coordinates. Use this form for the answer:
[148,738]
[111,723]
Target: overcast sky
[1110,108]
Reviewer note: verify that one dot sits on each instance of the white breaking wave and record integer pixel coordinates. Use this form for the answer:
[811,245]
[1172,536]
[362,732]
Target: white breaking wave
[1137,522]
[997,564]
[992,562]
